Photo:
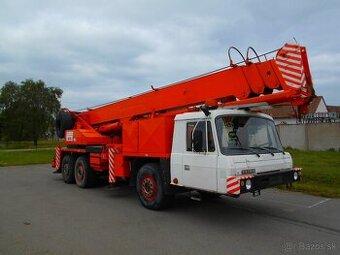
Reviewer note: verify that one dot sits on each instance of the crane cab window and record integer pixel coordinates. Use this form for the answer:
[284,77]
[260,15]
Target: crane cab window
[199,129]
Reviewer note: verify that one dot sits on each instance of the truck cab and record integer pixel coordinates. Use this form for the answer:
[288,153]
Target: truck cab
[230,152]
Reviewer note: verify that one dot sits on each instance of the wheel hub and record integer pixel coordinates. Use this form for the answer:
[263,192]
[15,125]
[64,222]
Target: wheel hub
[80,172]
[149,187]
[66,169]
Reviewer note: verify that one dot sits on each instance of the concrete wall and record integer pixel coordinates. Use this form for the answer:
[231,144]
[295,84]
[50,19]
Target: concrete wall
[321,136]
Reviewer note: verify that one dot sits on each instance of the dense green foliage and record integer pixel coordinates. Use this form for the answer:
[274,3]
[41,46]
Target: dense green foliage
[27,110]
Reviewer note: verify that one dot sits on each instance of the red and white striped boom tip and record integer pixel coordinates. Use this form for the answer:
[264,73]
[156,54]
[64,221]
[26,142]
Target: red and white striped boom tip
[293,64]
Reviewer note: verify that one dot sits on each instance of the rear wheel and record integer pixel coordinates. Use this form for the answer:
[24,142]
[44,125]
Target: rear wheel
[150,189]
[67,168]
[83,174]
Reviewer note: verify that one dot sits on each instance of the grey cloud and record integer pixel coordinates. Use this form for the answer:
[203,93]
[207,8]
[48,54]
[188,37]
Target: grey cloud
[98,51]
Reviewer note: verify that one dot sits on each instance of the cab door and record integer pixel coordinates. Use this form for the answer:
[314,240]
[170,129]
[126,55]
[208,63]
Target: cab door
[200,158]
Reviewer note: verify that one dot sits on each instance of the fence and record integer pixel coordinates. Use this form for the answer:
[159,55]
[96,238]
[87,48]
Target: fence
[321,136]
[321,117]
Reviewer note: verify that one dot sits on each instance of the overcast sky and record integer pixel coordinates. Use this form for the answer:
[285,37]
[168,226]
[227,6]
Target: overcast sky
[99,51]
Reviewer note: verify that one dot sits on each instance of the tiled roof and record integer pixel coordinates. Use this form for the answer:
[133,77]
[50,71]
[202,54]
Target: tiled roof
[332,108]
[281,111]
[313,105]
[289,111]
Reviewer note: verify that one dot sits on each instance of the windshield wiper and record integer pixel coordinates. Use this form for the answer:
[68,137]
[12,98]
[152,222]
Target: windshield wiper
[268,147]
[248,149]
[263,148]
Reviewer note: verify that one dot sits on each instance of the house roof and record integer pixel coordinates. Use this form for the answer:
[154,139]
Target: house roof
[332,108]
[281,111]
[289,111]
[313,105]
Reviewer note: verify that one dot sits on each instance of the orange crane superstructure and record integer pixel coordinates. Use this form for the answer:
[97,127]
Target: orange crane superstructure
[120,137]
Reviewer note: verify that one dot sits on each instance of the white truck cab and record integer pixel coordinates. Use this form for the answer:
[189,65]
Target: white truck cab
[229,152]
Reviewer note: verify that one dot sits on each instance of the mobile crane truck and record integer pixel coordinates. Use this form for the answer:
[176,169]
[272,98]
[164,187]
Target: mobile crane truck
[204,134]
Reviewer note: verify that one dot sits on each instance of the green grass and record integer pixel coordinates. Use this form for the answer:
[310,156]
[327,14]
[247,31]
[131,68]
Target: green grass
[26,157]
[29,144]
[320,172]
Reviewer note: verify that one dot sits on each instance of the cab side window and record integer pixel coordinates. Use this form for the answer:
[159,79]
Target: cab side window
[190,129]
[211,144]
[200,135]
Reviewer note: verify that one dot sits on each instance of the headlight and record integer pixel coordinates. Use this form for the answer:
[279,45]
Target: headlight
[295,176]
[248,184]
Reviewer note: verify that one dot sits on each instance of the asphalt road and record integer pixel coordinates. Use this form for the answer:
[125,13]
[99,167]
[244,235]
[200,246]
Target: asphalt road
[40,214]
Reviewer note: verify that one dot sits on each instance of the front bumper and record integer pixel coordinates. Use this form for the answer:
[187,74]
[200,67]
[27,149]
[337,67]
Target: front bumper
[266,180]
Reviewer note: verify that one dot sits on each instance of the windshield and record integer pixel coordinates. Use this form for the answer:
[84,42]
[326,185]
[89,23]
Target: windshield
[238,134]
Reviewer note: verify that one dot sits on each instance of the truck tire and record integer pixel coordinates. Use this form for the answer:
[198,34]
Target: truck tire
[150,189]
[63,122]
[83,174]
[67,169]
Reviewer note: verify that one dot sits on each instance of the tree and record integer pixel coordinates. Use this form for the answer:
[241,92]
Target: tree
[28,110]
[10,109]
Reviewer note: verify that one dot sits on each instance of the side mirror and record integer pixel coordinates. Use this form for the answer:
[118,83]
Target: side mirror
[197,140]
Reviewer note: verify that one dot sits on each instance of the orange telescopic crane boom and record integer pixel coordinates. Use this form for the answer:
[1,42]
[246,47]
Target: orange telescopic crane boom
[285,78]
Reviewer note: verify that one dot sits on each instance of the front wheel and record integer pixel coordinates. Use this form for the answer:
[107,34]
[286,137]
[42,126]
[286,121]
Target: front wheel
[83,174]
[150,189]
